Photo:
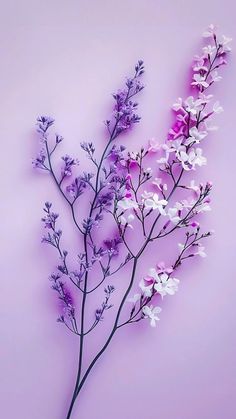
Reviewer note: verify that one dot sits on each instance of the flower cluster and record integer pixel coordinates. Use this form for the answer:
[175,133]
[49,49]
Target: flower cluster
[67,301]
[125,108]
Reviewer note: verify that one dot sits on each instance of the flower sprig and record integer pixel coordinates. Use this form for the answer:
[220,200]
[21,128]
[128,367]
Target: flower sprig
[145,203]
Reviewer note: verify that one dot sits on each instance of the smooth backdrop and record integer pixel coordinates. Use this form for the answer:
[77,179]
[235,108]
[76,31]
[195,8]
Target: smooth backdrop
[65,58]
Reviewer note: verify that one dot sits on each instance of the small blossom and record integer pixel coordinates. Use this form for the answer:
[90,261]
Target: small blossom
[159,183]
[204,207]
[193,106]
[127,203]
[112,245]
[201,251]
[40,160]
[209,50]
[195,136]
[199,65]
[69,162]
[181,246]
[210,31]
[154,146]
[166,285]
[224,42]
[194,187]
[189,161]
[161,268]
[178,105]
[173,215]
[151,313]
[43,123]
[195,224]
[217,108]
[156,203]
[199,80]
[126,221]
[147,290]
[145,195]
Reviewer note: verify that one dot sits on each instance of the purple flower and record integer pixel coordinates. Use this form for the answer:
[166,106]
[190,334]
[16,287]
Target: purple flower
[105,199]
[104,306]
[69,162]
[64,296]
[88,224]
[76,188]
[112,245]
[40,160]
[43,123]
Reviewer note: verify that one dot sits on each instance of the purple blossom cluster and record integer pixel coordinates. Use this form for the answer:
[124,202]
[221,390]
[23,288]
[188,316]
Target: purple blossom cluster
[151,201]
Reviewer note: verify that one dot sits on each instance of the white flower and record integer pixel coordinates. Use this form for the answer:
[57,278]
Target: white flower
[134,299]
[217,108]
[209,50]
[163,160]
[176,145]
[184,204]
[199,80]
[153,274]
[210,32]
[126,220]
[204,207]
[173,215]
[151,312]
[225,43]
[200,251]
[194,157]
[178,105]
[194,187]
[146,289]
[195,136]
[181,246]
[199,64]
[215,76]
[148,171]
[127,203]
[193,106]
[158,182]
[146,195]
[205,98]
[184,159]
[156,203]
[199,159]
[166,285]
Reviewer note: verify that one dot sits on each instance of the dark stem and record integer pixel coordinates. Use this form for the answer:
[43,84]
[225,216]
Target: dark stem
[115,327]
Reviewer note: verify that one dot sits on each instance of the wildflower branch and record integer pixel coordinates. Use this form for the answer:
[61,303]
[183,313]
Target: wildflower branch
[118,190]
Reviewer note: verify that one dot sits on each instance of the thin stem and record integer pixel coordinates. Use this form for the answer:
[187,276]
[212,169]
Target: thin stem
[115,327]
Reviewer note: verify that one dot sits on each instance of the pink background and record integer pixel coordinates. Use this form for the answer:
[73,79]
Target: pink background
[64,58]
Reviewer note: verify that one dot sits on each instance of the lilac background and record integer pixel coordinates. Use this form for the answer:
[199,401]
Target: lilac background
[64,58]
